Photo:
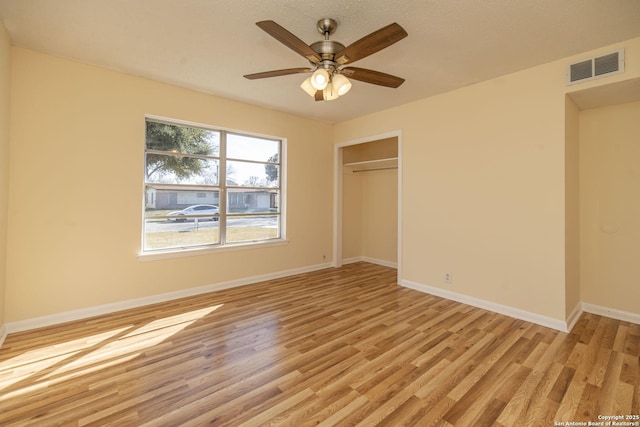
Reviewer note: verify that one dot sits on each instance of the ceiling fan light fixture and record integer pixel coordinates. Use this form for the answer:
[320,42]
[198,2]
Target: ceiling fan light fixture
[341,84]
[320,78]
[329,93]
[328,56]
[308,87]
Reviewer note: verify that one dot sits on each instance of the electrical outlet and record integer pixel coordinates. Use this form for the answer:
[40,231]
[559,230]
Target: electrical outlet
[447,277]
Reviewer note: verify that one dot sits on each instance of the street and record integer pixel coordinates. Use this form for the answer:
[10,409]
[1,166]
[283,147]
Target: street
[257,221]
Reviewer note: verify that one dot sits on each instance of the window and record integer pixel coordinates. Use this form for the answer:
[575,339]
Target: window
[209,188]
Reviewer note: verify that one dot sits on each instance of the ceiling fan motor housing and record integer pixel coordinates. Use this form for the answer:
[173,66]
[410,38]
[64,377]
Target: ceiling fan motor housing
[327,48]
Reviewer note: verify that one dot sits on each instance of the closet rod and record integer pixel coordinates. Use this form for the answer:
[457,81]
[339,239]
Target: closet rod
[374,169]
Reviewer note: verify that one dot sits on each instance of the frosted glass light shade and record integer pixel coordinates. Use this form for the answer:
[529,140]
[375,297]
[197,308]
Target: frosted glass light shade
[308,87]
[320,78]
[341,84]
[329,93]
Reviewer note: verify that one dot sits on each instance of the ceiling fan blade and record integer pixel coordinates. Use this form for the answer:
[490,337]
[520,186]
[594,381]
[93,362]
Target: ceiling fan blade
[371,44]
[319,96]
[373,77]
[276,73]
[290,40]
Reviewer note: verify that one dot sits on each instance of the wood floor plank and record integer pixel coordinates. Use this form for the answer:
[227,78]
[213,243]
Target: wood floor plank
[538,405]
[492,363]
[335,347]
[559,388]
[471,406]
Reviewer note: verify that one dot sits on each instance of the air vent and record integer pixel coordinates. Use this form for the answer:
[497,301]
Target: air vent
[581,70]
[593,68]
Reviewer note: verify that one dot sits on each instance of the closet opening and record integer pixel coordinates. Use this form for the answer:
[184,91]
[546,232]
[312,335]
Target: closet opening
[367,197]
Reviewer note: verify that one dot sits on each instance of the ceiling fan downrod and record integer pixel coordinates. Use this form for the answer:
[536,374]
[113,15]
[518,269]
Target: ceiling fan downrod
[326,48]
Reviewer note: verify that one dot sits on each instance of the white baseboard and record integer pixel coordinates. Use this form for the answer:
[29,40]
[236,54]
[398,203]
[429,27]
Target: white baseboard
[68,316]
[611,312]
[382,262]
[352,260]
[538,319]
[370,260]
[564,326]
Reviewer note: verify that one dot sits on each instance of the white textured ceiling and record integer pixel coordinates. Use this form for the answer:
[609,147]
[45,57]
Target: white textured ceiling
[208,45]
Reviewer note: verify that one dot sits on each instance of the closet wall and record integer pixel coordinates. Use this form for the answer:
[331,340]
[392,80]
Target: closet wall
[370,202]
[610,206]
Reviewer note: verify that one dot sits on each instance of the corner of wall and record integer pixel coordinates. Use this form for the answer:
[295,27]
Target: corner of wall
[5,76]
[528,316]
[574,316]
[3,334]
[572,206]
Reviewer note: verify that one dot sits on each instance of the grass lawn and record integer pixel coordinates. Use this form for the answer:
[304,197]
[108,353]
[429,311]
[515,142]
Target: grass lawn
[206,236]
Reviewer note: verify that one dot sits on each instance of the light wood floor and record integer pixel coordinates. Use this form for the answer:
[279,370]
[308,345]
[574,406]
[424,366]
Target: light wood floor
[336,347]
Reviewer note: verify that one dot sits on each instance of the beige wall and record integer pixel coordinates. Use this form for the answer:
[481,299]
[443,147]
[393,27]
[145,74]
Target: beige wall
[5,74]
[483,185]
[370,216]
[76,188]
[488,182]
[386,148]
[380,216]
[610,206]
[352,212]
[489,186]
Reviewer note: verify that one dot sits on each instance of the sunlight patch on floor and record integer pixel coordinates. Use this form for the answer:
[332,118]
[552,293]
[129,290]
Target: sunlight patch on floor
[62,361]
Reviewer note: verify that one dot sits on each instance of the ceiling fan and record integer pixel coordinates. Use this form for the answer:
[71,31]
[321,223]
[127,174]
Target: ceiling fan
[328,57]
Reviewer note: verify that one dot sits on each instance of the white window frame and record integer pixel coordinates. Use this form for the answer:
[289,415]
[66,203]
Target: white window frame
[152,254]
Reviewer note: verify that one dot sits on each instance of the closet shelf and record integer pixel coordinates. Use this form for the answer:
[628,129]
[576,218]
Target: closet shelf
[371,165]
[372,162]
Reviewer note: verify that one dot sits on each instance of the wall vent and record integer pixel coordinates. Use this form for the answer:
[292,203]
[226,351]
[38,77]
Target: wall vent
[593,68]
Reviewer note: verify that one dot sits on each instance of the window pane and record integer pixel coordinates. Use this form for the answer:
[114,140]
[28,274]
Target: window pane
[244,174]
[250,228]
[182,139]
[160,233]
[252,148]
[167,169]
[173,220]
[252,201]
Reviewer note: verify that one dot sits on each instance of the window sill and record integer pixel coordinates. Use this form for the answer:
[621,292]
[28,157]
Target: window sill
[189,252]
